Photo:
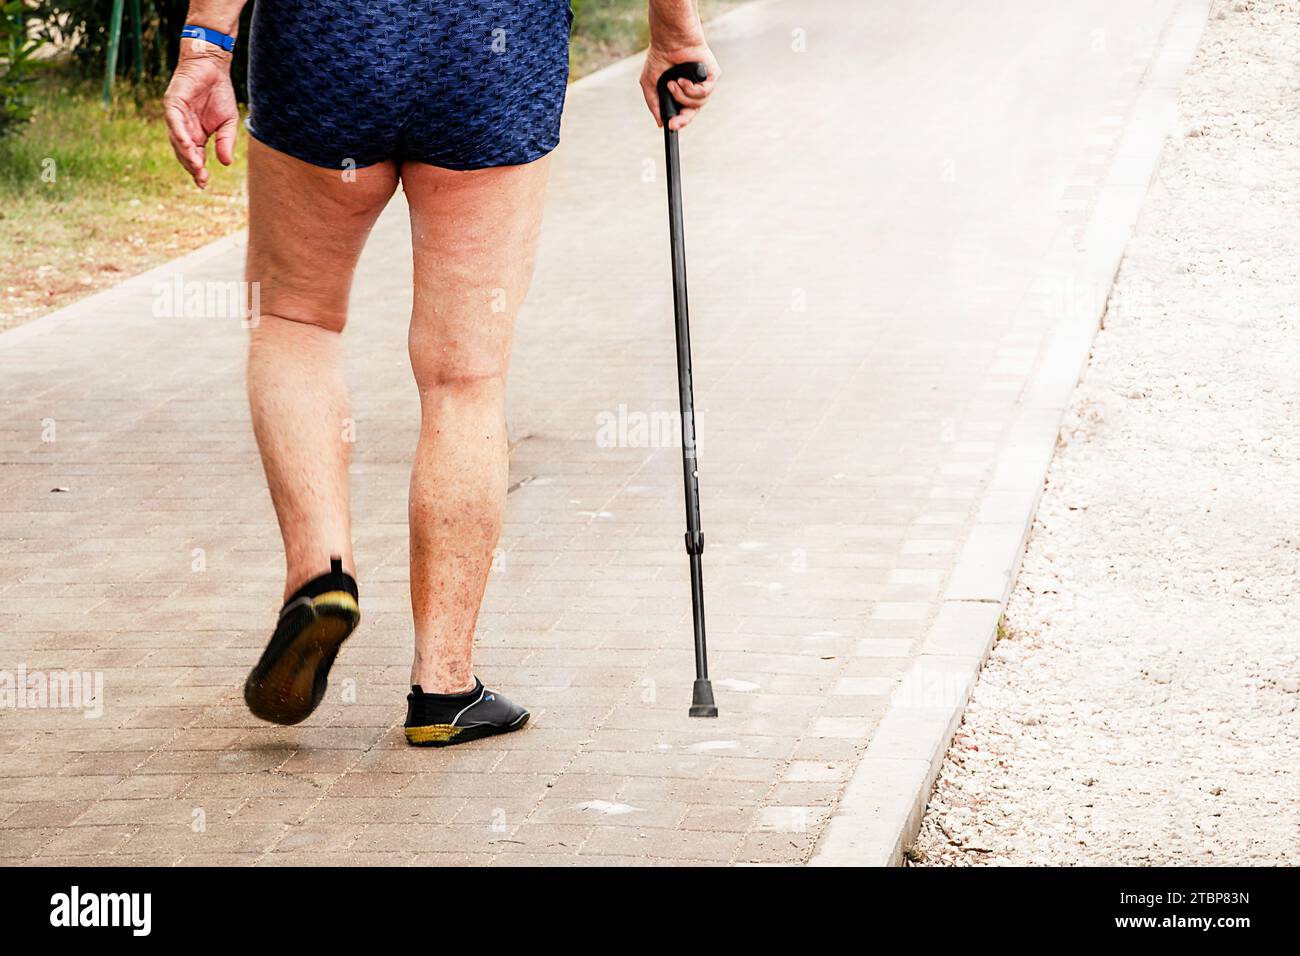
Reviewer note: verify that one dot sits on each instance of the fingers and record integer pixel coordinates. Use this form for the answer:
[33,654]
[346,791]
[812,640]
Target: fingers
[226,140]
[188,153]
[682,119]
[692,96]
[689,93]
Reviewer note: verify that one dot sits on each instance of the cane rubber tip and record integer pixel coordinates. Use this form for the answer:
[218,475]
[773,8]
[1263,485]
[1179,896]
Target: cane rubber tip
[702,704]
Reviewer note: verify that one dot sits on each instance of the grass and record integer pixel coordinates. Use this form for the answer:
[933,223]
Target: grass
[90,195]
[603,28]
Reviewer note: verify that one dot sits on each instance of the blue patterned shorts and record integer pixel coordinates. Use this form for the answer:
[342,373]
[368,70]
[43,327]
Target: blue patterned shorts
[461,84]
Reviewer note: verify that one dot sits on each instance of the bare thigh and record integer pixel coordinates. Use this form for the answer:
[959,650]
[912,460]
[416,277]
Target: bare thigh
[474,235]
[307,226]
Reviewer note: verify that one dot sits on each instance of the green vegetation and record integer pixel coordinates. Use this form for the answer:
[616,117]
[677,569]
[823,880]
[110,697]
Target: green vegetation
[89,196]
[17,49]
[604,31]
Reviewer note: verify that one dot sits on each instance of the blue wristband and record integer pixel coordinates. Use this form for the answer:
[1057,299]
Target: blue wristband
[191,32]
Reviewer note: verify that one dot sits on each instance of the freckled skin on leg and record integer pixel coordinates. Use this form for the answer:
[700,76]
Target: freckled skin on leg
[475,237]
[307,226]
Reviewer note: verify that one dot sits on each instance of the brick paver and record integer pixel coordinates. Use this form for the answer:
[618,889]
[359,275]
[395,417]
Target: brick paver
[866,204]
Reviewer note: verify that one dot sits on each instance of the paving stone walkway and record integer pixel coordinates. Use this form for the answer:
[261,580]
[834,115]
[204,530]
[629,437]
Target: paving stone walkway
[866,203]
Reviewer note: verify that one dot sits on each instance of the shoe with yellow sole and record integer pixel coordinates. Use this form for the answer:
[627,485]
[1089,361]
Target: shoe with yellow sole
[290,680]
[440,720]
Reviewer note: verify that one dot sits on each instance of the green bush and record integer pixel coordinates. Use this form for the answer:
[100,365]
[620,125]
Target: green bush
[15,81]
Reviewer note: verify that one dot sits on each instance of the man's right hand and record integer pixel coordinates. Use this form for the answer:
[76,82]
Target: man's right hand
[200,103]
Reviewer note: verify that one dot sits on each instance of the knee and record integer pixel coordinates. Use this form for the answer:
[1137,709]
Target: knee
[290,319]
[287,321]
[451,368]
[280,294]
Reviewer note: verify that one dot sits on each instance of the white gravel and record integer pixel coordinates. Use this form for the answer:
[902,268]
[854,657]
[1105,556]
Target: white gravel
[1142,707]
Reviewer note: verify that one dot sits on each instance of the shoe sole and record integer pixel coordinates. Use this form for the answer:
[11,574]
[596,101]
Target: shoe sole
[446,735]
[289,681]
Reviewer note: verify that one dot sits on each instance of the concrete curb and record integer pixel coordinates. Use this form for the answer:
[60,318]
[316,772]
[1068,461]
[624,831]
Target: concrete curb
[880,811]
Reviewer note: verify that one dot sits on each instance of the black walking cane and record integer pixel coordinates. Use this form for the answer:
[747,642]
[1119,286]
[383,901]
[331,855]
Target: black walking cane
[702,704]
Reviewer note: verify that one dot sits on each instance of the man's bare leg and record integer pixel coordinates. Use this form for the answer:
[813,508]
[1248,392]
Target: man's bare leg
[307,226]
[475,237]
